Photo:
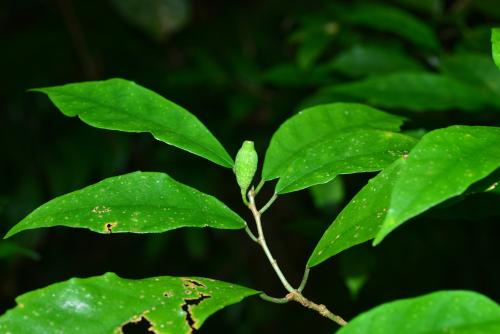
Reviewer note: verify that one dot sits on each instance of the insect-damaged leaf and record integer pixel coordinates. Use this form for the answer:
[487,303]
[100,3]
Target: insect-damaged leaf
[118,104]
[442,165]
[104,304]
[458,312]
[361,219]
[140,202]
[320,123]
[356,151]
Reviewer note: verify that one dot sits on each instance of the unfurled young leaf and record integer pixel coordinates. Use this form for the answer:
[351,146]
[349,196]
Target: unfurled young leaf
[458,312]
[320,123]
[442,165]
[140,202]
[118,104]
[108,303]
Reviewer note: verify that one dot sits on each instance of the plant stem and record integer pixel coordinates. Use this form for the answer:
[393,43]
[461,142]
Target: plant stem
[251,235]
[268,204]
[262,241]
[259,186]
[273,299]
[320,308]
[304,280]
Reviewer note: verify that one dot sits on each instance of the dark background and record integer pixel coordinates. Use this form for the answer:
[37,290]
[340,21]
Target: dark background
[242,67]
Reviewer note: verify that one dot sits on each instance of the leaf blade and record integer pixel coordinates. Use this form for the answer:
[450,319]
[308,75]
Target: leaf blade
[316,123]
[495,49]
[139,202]
[355,151]
[442,165]
[438,312]
[104,304]
[118,104]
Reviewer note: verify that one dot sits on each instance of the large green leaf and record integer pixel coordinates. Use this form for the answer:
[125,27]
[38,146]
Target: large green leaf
[319,123]
[457,312]
[105,304]
[393,20]
[364,150]
[442,165]
[140,202]
[370,60]
[410,90]
[361,219]
[476,69]
[495,45]
[118,104]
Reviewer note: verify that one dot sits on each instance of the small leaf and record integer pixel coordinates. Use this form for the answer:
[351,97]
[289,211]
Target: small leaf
[391,19]
[371,60]
[458,312]
[105,304]
[442,165]
[416,91]
[140,202]
[361,219]
[351,152]
[118,104]
[495,42]
[319,123]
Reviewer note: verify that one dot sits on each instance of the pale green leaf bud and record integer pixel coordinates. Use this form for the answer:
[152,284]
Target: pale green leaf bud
[245,165]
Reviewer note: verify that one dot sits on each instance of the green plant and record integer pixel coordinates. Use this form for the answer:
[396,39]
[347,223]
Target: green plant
[311,148]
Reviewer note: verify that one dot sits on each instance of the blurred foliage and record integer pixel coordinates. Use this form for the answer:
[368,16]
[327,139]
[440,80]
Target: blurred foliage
[243,68]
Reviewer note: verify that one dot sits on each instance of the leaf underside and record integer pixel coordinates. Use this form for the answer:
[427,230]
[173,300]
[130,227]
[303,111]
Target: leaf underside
[139,202]
[105,304]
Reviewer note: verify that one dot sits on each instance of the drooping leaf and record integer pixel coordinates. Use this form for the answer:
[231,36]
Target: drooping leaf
[476,69]
[410,90]
[442,165]
[118,104]
[390,19]
[371,60]
[318,123]
[158,18]
[140,202]
[361,219]
[458,312]
[356,151]
[105,304]
[495,42]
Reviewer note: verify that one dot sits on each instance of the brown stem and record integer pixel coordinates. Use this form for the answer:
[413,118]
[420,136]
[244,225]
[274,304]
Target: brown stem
[321,309]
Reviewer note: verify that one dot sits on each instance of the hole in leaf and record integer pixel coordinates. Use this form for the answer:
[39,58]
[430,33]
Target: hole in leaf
[192,284]
[186,307]
[142,326]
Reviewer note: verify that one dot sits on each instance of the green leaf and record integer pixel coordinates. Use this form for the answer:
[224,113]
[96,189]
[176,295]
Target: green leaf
[412,91]
[140,202]
[391,19]
[361,219]
[319,123]
[495,45]
[118,104]
[10,249]
[371,60]
[442,165]
[356,151]
[458,312]
[476,69]
[158,18]
[105,304]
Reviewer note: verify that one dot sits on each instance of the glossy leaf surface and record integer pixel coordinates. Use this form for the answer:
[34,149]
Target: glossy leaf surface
[118,104]
[104,304]
[442,165]
[495,41]
[361,219]
[410,90]
[319,123]
[356,151]
[140,202]
[458,312]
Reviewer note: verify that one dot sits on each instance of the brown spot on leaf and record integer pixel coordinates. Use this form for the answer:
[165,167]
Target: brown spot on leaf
[186,307]
[193,284]
[109,226]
